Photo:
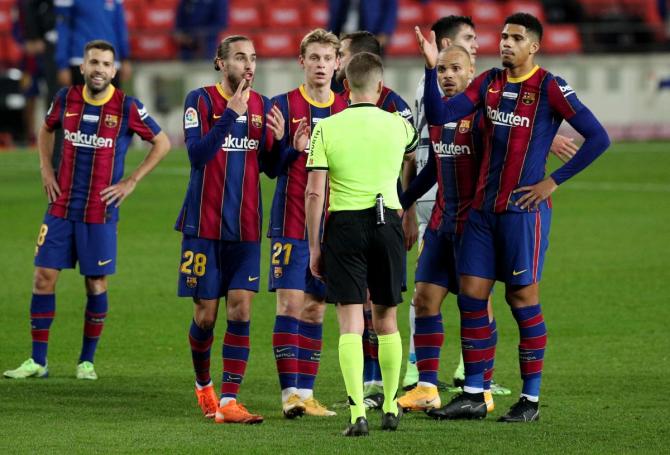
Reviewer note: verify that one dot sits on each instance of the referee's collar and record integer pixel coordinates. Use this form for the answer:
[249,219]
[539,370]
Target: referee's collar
[363,105]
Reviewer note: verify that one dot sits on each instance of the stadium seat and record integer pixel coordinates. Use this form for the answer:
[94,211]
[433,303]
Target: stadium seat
[561,39]
[158,17]
[486,13]
[10,51]
[283,15]
[132,17]
[5,17]
[436,10]
[488,38]
[316,14]
[403,43]
[410,13]
[277,44]
[532,7]
[153,47]
[244,14]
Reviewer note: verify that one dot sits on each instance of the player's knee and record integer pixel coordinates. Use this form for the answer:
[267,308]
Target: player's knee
[313,312]
[238,310]
[424,306]
[288,306]
[44,281]
[522,296]
[206,321]
[96,285]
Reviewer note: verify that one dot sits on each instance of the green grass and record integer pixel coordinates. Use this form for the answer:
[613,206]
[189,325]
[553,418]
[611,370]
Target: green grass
[605,296]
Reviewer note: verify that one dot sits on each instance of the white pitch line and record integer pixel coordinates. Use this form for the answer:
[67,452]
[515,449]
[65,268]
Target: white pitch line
[628,187]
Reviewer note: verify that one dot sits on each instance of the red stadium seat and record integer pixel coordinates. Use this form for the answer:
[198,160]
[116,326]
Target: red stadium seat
[5,18]
[436,10]
[10,52]
[561,39]
[158,17]
[531,7]
[132,16]
[163,4]
[316,14]
[282,15]
[409,13]
[153,47]
[486,13]
[247,14]
[403,43]
[277,44]
[488,39]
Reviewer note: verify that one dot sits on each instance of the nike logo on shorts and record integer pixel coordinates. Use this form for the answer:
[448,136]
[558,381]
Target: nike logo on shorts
[101,263]
[515,273]
[253,278]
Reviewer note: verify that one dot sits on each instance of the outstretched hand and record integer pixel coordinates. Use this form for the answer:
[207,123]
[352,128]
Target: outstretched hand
[428,47]
[276,123]
[301,136]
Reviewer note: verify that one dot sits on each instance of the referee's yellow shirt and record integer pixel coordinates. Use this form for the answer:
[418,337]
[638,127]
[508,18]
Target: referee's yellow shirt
[362,149]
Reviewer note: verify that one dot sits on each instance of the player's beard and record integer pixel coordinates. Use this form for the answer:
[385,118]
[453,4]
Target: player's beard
[507,64]
[95,90]
[234,82]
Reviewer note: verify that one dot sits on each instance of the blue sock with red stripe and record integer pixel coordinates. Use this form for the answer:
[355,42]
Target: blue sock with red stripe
[235,356]
[532,342]
[285,345]
[309,355]
[42,313]
[201,347]
[490,355]
[94,321]
[371,371]
[475,334]
[428,339]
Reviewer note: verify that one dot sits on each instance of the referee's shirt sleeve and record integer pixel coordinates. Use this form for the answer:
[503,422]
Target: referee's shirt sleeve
[317,151]
[412,136]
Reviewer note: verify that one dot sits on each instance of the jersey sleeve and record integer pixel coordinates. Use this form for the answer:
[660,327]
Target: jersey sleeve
[412,136]
[563,99]
[196,112]
[316,160]
[404,110]
[140,122]
[55,112]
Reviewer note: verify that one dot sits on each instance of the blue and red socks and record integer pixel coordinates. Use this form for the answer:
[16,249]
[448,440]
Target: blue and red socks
[372,374]
[235,356]
[428,339]
[532,342]
[310,337]
[94,321]
[42,312]
[490,355]
[475,334]
[285,346]
[201,346]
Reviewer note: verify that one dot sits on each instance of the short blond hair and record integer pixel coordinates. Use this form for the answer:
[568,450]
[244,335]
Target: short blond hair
[319,36]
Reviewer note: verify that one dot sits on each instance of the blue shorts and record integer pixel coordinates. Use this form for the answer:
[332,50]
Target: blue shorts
[210,268]
[508,247]
[62,243]
[437,260]
[289,267]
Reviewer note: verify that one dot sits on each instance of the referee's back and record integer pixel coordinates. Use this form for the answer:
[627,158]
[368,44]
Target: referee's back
[362,148]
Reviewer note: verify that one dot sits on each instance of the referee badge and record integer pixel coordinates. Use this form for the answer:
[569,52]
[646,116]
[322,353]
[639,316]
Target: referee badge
[191,281]
[464,126]
[257,120]
[528,98]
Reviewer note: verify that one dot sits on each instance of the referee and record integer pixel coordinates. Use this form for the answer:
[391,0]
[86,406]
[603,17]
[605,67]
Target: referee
[360,151]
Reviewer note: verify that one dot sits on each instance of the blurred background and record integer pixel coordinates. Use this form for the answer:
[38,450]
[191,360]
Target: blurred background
[615,54]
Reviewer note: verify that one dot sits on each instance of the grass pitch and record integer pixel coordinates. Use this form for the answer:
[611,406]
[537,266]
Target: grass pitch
[604,293]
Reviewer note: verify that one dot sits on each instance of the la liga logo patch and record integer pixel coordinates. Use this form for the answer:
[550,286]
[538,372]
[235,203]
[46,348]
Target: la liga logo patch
[191,118]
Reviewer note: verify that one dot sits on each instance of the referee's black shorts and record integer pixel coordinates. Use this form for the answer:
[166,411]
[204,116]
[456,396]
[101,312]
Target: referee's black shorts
[360,255]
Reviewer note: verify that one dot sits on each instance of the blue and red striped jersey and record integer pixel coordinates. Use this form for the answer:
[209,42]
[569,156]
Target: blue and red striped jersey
[97,134]
[390,101]
[456,153]
[522,117]
[287,217]
[223,199]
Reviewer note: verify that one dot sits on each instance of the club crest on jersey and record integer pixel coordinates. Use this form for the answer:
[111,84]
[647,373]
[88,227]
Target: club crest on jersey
[464,127]
[257,120]
[528,98]
[111,120]
[278,272]
[191,281]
